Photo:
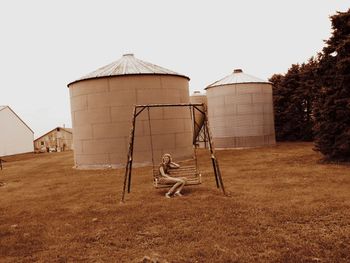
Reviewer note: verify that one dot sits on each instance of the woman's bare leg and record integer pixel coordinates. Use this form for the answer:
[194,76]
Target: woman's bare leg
[175,186]
[180,187]
[177,182]
[183,182]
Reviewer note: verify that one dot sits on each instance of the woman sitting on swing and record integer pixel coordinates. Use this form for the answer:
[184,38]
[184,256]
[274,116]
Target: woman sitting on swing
[166,178]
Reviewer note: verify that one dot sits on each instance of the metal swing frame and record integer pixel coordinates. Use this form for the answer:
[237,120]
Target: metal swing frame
[193,107]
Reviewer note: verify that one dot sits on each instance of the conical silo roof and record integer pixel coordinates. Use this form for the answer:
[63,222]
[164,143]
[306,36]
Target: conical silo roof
[237,77]
[128,64]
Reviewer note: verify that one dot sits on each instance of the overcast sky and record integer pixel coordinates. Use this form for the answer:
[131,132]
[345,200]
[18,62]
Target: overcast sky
[47,44]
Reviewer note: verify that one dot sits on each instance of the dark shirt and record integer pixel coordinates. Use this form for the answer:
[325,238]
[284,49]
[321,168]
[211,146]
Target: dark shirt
[166,168]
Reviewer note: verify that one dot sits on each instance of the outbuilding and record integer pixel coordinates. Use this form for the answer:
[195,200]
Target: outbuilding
[15,135]
[59,139]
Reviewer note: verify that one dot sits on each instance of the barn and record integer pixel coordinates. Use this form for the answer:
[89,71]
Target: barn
[59,139]
[15,135]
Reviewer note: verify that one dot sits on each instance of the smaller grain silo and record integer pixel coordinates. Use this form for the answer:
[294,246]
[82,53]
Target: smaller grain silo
[240,111]
[198,97]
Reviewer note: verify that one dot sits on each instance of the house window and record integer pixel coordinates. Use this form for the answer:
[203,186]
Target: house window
[42,143]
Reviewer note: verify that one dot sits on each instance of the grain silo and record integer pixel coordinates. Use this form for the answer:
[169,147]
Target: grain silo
[102,104]
[240,111]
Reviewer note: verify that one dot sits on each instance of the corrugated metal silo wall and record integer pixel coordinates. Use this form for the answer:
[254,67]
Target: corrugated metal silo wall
[241,115]
[102,113]
[198,116]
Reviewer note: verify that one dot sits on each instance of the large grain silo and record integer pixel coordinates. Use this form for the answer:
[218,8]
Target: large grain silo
[102,104]
[240,111]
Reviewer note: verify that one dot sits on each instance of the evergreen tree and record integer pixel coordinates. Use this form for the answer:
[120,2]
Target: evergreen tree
[332,107]
[307,93]
[293,97]
[279,103]
[294,110]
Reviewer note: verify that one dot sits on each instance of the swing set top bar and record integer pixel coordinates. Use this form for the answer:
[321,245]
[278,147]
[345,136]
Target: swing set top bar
[169,105]
[144,106]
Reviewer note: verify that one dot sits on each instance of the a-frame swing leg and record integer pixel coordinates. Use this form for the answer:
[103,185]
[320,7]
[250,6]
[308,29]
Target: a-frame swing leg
[219,176]
[213,159]
[127,175]
[217,172]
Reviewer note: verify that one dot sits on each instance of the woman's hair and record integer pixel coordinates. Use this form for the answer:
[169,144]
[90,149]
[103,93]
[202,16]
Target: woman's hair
[166,155]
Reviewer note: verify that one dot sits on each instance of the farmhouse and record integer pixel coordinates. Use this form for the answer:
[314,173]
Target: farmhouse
[57,140]
[15,135]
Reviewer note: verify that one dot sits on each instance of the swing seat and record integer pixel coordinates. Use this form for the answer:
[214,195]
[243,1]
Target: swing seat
[190,172]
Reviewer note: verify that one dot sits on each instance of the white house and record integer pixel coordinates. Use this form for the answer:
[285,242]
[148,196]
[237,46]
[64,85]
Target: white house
[15,136]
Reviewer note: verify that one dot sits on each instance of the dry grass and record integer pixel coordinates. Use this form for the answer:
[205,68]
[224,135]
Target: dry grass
[284,207]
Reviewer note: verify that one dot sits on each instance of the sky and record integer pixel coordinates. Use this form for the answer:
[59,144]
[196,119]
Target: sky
[47,44]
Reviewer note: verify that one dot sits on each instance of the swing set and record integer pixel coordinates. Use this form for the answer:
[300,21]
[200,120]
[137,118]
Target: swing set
[190,171]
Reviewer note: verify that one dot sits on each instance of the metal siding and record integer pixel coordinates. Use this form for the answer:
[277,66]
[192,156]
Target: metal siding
[128,65]
[241,115]
[15,136]
[237,78]
[102,120]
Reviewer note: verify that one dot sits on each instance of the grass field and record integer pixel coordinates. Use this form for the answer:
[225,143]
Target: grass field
[284,206]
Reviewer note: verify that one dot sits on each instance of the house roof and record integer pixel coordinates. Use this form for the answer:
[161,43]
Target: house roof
[237,77]
[69,130]
[4,107]
[128,64]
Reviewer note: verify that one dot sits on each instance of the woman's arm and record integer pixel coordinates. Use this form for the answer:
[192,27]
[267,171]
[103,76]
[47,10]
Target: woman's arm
[174,165]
